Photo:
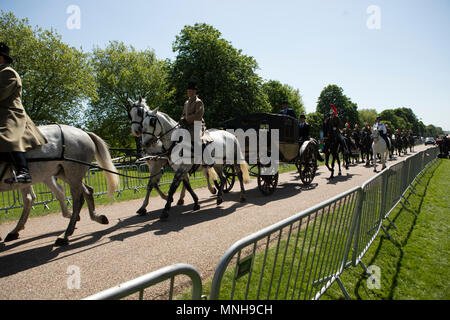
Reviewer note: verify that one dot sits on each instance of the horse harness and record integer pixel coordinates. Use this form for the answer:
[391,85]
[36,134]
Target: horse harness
[62,157]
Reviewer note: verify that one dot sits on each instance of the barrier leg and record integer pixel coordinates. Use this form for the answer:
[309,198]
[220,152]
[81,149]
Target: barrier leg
[392,224]
[386,233]
[344,291]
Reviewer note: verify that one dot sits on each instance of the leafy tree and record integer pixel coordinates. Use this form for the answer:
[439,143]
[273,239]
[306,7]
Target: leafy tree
[227,81]
[121,72]
[56,78]
[332,94]
[278,92]
[367,116]
[315,120]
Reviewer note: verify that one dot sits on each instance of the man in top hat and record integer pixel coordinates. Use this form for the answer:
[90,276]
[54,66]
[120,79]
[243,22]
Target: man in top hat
[303,129]
[382,130]
[18,133]
[288,111]
[193,111]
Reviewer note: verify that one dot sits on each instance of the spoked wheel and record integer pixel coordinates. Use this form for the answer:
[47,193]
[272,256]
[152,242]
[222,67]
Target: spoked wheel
[307,170]
[267,182]
[230,177]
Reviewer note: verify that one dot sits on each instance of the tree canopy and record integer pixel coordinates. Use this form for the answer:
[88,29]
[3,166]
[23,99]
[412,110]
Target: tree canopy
[91,90]
[278,92]
[122,72]
[56,78]
[227,79]
[332,94]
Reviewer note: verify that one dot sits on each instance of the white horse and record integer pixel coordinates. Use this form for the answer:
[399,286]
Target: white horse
[158,128]
[50,161]
[379,147]
[137,113]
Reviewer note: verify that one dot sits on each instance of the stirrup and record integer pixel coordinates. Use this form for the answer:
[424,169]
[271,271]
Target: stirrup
[23,177]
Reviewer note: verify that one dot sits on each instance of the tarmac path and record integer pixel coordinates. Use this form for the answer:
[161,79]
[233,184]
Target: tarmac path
[131,246]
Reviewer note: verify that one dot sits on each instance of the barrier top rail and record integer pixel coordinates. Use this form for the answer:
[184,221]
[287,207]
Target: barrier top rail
[264,233]
[150,279]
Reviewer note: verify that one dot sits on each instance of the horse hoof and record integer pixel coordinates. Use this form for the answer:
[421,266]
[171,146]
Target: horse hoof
[219,201]
[180,202]
[243,199]
[104,220]
[340,173]
[61,242]
[196,207]
[164,216]
[141,212]
[11,237]
[214,191]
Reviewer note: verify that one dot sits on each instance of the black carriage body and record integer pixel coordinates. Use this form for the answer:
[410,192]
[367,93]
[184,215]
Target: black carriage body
[287,126]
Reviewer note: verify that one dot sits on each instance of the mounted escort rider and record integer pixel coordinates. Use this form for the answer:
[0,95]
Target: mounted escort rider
[332,126]
[18,133]
[383,131]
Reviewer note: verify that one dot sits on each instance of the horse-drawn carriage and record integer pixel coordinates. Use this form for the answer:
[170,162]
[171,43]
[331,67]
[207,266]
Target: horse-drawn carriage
[291,151]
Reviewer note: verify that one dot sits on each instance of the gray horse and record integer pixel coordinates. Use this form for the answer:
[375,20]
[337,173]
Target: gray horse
[158,128]
[139,110]
[50,161]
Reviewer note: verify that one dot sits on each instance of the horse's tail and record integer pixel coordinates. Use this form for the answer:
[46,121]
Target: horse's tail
[104,160]
[244,169]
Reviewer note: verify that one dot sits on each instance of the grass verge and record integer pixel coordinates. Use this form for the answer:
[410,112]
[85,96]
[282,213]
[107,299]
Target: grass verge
[412,266]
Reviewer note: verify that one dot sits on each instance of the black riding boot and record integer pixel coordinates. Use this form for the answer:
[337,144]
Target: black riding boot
[22,171]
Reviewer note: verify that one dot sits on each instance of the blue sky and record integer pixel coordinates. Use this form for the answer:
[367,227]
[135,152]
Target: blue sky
[306,44]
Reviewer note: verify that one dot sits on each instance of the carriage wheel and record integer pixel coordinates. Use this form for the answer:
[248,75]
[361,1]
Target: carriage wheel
[267,183]
[307,171]
[230,177]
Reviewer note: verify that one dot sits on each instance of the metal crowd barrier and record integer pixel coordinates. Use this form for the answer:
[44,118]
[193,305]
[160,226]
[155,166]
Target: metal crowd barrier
[94,177]
[151,279]
[303,255]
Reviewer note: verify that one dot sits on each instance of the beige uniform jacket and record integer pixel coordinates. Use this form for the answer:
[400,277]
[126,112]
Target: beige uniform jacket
[193,111]
[17,130]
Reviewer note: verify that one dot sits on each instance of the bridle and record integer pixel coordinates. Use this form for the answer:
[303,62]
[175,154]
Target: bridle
[154,120]
[141,112]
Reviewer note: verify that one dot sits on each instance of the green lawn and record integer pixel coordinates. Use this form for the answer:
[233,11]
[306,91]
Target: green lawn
[415,265]
[412,266]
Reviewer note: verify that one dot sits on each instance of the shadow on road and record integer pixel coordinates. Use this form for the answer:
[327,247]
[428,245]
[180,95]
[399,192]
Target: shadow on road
[180,218]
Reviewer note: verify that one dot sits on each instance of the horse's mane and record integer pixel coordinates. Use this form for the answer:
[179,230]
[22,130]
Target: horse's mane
[163,114]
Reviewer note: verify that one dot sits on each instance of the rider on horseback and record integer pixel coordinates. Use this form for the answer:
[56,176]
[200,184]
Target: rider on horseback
[193,111]
[356,132]
[332,127]
[383,131]
[17,131]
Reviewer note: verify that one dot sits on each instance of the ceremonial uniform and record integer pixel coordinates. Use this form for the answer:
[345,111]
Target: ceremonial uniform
[193,111]
[383,133]
[18,133]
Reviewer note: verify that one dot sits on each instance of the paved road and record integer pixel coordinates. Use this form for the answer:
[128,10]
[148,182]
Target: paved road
[130,246]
